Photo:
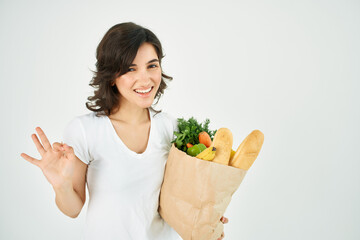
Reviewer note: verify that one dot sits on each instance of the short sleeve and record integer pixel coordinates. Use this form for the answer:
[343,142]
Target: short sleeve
[174,124]
[74,136]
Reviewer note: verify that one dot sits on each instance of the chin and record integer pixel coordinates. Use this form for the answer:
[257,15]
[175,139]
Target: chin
[145,105]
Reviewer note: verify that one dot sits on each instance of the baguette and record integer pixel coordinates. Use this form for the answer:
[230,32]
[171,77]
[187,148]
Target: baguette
[248,150]
[223,141]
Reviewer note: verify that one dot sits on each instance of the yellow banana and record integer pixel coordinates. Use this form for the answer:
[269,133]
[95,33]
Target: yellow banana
[232,154]
[208,154]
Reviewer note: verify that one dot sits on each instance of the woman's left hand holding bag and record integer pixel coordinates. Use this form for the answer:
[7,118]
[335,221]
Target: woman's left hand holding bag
[223,220]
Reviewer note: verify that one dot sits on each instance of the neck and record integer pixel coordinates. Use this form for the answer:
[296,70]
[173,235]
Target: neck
[133,115]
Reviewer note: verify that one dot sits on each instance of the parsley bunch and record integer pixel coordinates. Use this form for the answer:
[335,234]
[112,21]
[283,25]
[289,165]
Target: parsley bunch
[189,132]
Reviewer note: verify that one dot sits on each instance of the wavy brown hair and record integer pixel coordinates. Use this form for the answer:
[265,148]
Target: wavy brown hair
[114,54]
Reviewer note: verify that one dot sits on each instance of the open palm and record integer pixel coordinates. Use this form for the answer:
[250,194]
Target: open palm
[57,161]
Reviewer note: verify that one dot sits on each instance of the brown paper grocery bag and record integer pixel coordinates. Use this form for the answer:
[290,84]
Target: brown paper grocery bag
[195,194]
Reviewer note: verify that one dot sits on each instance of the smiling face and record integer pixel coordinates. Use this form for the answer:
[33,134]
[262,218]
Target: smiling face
[139,85]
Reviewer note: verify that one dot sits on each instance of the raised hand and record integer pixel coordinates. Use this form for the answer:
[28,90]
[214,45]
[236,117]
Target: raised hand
[57,162]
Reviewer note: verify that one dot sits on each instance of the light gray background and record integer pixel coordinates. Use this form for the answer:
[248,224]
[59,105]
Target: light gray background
[288,68]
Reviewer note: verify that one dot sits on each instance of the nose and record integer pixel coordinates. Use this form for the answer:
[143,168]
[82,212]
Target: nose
[144,77]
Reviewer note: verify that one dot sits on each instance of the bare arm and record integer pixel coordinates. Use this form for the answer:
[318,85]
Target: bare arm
[64,171]
[71,196]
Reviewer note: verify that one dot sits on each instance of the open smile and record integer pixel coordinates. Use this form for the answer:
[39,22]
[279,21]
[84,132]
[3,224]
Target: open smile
[145,92]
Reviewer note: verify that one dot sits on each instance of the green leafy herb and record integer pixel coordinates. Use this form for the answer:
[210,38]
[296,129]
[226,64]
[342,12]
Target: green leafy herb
[189,132]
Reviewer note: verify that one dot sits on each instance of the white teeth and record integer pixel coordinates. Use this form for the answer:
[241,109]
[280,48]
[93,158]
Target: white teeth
[144,91]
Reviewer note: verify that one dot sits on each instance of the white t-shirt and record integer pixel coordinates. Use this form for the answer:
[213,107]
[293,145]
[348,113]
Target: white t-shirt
[123,185]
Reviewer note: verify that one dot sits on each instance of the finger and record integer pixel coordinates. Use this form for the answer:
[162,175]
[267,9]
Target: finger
[222,236]
[68,150]
[224,220]
[31,159]
[43,138]
[38,145]
[58,147]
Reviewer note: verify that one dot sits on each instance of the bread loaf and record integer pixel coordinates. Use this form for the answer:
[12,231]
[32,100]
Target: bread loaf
[223,141]
[248,150]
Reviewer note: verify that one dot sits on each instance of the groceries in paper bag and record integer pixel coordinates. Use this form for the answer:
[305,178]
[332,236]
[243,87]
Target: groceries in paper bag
[201,175]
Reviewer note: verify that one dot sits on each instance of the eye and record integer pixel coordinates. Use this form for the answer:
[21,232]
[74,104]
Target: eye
[153,66]
[150,66]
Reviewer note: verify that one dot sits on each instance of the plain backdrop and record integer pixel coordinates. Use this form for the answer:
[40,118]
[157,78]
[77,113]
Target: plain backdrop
[288,68]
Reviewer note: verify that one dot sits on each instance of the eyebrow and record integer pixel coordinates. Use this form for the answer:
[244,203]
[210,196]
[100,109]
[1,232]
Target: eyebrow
[154,60]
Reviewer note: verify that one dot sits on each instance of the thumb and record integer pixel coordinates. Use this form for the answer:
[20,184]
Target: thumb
[58,147]
[68,149]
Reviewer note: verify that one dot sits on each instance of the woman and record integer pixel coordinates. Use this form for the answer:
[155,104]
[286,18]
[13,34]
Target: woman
[120,148]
